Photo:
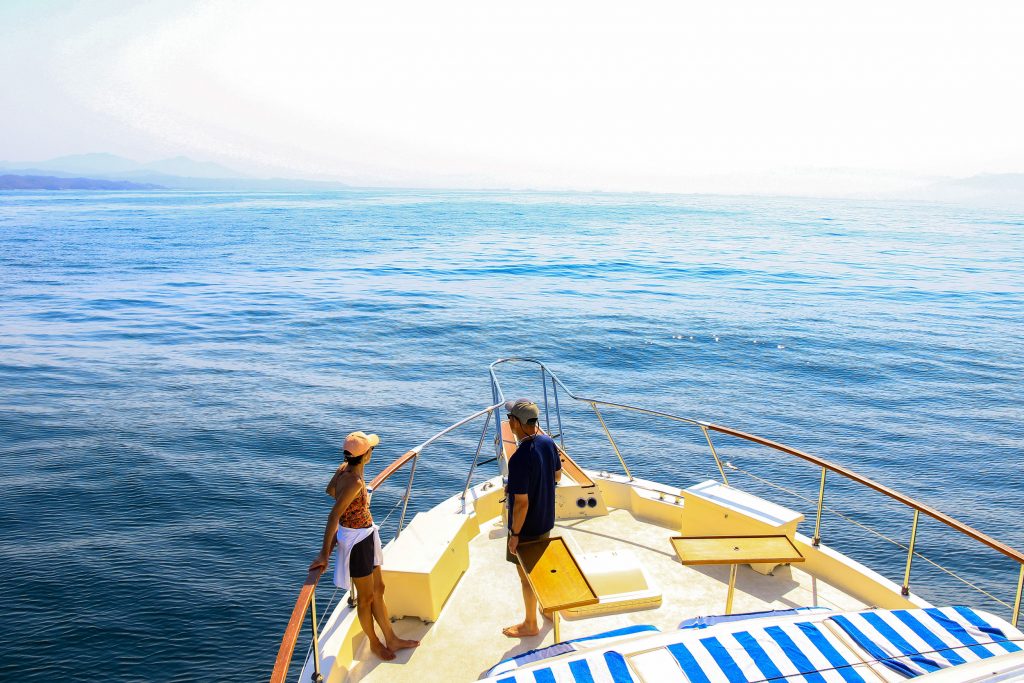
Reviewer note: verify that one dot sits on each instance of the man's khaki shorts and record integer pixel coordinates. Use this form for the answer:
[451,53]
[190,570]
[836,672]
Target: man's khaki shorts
[522,539]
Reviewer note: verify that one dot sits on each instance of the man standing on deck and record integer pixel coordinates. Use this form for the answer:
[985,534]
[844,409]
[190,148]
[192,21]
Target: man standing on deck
[532,472]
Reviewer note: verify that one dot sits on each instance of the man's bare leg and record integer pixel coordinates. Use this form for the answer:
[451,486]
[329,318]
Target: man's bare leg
[529,626]
[383,619]
[364,609]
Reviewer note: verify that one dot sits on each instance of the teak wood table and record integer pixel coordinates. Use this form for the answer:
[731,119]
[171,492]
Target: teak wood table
[733,551]
[555,577]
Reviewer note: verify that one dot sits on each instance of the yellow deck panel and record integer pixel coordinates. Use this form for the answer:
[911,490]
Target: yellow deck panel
[735,549]
[554,574]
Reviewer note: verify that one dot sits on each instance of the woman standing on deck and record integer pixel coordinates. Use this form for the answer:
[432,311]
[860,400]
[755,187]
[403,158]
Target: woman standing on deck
[358,538]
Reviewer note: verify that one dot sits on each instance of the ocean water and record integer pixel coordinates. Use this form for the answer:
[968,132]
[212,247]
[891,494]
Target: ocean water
[177,372]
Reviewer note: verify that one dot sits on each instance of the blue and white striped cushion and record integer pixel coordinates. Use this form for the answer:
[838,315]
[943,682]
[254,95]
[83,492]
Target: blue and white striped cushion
[794,651]
[512,663]
[600,667]
[705,622]
[910,642]
[919,641]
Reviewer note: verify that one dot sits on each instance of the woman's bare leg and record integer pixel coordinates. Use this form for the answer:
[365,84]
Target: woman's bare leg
[365,599]
[380,614]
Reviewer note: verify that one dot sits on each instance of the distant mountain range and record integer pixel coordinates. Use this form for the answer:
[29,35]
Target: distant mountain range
[177,173]
[997,189]
[108,171]
[39,182]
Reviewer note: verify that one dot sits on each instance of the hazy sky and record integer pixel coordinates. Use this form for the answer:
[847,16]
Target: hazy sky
[673,96]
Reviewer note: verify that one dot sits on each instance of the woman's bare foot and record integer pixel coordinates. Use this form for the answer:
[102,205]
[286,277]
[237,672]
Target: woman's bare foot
[522,630]
[381,651]
[396,644]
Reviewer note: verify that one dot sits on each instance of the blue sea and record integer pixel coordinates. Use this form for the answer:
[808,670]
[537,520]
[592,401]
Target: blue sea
[178,370]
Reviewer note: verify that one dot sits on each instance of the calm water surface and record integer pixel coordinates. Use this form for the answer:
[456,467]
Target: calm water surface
[177,371]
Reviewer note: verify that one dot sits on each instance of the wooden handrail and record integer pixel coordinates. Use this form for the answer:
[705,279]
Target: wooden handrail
[885,490]
[395,465]
[291,632]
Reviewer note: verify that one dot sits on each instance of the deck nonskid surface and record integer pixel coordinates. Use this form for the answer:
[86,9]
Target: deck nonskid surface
[467,640]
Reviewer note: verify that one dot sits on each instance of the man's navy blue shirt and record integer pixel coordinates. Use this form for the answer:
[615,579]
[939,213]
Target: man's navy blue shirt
[531,470]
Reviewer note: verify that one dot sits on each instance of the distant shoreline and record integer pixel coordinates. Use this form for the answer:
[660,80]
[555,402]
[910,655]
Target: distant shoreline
[38,182]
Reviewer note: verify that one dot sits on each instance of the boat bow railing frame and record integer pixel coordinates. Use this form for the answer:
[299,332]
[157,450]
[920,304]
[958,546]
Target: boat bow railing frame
[306,600]
[825,465]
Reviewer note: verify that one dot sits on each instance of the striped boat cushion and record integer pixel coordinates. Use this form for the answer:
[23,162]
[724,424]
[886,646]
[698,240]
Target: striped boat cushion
[575,645]
[860,647]
[919,641]
[600,667]
[795,651]
[705,622]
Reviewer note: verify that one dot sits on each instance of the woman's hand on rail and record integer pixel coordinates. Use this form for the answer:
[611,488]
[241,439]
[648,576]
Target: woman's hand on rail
[319,563]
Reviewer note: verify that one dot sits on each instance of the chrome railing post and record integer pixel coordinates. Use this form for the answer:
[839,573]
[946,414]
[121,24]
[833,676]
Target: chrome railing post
[611,440]
[408,494]
[317,676]
[547,413]
[1016,603]
[721,470]
[499,449]
[910,555]
[479,445]
[816,541]
[558,412]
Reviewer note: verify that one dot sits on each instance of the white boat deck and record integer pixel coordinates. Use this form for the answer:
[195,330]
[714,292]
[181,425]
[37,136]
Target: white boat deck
[466,640]
[449,565]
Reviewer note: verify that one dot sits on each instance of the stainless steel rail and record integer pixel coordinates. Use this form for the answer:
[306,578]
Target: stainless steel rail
[825,466]
[306,598]
[414,455]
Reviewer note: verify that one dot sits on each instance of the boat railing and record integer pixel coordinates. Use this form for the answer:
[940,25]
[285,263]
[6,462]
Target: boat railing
[706,428]
[306,601]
